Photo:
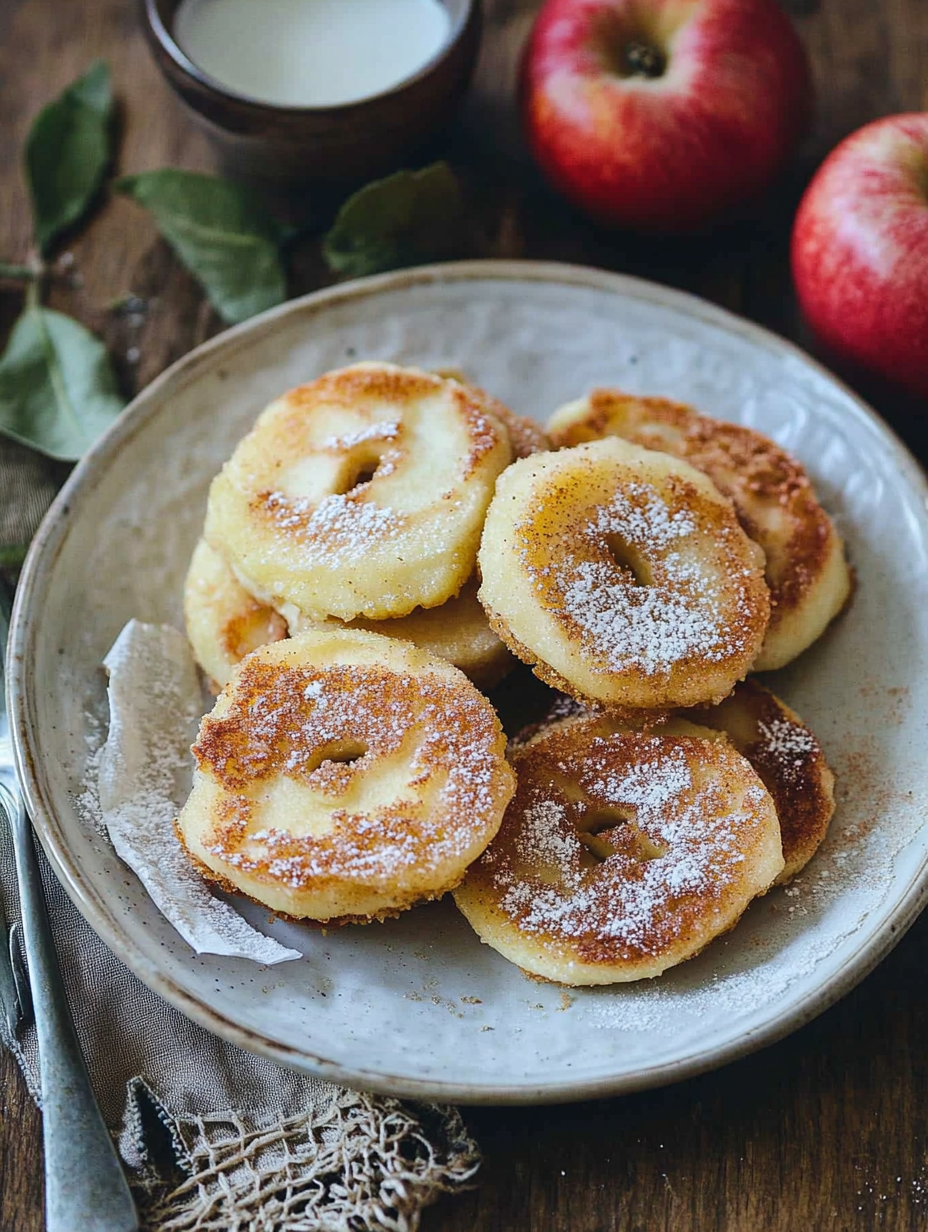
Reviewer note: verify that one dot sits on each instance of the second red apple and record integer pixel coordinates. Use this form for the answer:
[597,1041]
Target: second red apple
[860,251]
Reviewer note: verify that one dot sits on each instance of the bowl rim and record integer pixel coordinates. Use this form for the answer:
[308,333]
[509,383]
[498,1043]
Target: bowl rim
[200,77]
[50,540]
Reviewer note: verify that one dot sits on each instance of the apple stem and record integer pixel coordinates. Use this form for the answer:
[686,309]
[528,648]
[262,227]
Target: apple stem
[643,59]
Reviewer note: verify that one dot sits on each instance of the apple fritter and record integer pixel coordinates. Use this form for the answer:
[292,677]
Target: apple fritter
[622,854]
[360,494]
[344,776]
[224,622]
[806,570]
[623,576]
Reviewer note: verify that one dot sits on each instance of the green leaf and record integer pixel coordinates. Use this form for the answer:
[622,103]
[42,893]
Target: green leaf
[67,152]
[221,234]
[407,218]
[58,391]
[12,555]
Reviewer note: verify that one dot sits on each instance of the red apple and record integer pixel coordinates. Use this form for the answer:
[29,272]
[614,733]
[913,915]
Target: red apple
[860,250]
[663,114]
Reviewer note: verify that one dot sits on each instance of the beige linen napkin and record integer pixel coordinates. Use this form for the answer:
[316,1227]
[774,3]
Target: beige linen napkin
[216,1139]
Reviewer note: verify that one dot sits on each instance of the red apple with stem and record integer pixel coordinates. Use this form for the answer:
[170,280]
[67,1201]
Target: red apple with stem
[860,250]
[663,114]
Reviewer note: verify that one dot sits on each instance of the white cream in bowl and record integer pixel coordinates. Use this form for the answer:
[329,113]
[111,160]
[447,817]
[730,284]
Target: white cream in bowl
[311,53]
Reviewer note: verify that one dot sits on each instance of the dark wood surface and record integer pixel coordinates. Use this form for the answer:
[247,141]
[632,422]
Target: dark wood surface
[829,1128]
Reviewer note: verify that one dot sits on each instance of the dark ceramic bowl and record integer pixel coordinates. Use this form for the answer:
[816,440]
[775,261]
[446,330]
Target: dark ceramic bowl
[352,141]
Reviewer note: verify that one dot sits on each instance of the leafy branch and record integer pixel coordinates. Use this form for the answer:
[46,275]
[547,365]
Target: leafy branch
[220,233]
[68,150]
[58,390]
[407,218]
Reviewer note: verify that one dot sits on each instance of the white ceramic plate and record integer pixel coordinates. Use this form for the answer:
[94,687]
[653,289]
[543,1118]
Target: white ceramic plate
[417,1006]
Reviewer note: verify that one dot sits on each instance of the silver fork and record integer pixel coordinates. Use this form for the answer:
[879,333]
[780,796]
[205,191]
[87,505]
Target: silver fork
[85,1186]
[15,994]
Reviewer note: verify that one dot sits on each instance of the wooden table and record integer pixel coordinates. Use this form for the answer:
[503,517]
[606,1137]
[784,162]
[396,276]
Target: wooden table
[828,1129]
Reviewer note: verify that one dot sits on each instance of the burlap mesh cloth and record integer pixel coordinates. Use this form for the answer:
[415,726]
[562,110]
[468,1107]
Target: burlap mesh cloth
[215,1138]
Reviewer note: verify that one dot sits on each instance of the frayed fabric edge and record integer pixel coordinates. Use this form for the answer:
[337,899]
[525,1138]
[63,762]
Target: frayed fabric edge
[349,1162]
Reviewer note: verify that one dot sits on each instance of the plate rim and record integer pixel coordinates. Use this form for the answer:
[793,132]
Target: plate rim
[51,538]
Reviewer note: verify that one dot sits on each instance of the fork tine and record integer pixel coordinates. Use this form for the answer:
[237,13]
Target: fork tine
[9,1000]
[24,1014]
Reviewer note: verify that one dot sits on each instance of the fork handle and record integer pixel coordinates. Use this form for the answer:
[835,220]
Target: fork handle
[85,1186]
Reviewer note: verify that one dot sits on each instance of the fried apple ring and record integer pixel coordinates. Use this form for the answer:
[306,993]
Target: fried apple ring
[622,855]
[343,776]
[457,631]
[622,575]
[784,752]
[224,622]
[790,761]
[526,435]
[360,494]
[806,570]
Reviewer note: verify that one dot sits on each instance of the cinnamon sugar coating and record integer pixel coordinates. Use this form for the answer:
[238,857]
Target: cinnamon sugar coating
[623,576]
[527,436]
[783,750]
[622,854]
[360,494]
[806,570]
[788,758]
[345,775]
[224,622]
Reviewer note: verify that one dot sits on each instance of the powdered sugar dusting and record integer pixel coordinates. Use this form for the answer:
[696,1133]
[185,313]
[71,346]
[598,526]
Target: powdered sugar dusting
[87,801]
[676,849]
[649,787]
[546,836]
[341,525]
[677,615]
[638,516]
[651,627]
[386,430]
[788,744]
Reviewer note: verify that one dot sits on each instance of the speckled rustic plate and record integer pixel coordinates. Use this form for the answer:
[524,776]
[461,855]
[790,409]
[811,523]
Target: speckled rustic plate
[417,1006]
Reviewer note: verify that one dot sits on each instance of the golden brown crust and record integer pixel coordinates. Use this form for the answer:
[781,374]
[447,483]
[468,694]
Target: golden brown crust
[224,622]
[789,760]
[345,774]
[621,853]
[359,494]
[622,575]
[772,494]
